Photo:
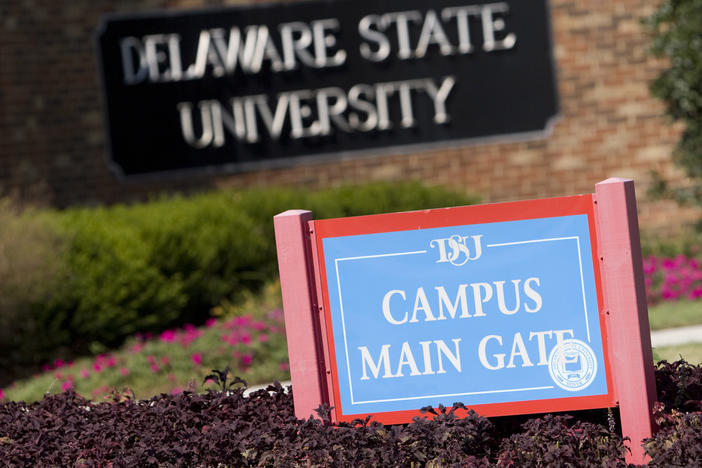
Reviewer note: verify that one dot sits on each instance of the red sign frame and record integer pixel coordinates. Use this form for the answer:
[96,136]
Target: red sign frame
[456,216]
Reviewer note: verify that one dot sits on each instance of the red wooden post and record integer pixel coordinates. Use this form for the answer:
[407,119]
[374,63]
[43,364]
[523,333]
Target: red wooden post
[300,309]
[628,329]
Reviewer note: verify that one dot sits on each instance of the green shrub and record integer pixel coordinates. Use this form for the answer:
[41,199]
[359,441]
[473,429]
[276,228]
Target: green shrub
[687,244]
[156,265]
[30,270]
[113,288]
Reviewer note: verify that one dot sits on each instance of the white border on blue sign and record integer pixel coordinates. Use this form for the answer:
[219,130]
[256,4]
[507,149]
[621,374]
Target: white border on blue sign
[504,244]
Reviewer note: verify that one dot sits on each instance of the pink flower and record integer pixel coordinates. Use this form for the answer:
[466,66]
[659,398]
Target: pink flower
[66,385]
[263,338]
[168,335]
[284,366]
[164,361]
[45,367]
[670,279]
[188,327]
[241,321]
[176,391]
[58,375]
[85,373]
[246,338]
[154,368]
[136,348]
[111,361]
[59,363]
[276,314]
[197,359]
[100,390]
[190,335]
[246,359]
[2,394]
[232,338]
[97,367]
[210,322]
[124,371]
[151,359]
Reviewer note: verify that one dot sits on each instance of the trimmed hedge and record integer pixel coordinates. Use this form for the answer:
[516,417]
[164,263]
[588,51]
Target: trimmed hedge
[227,429]
[151,266]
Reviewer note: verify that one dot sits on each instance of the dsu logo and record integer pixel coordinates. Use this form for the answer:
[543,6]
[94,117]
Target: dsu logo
[454,250]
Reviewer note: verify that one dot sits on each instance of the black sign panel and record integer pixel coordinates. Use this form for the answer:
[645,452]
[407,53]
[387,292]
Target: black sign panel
[240,88]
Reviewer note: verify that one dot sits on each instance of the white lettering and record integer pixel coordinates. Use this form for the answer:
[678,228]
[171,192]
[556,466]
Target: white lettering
[406,359]
[130,46]
[432,33]
[541,340]
[461,13]
[478,297]
[533,295]
[187,127]
[492,24]
[421,303]
[482,355]
[439,97]
[444,301]
[386,307]
[455,358]
[383,360]
[374,35]
[323,40]
[500,286]
[518,349]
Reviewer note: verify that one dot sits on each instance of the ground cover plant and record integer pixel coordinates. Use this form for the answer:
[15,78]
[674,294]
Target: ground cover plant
[672,279]
[223,428]
[248,338]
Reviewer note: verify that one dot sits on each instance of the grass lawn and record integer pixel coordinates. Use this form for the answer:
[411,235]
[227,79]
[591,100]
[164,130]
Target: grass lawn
[675,314]
[692,353]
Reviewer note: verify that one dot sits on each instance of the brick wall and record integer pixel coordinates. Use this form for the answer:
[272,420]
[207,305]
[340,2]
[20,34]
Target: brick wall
[52,142]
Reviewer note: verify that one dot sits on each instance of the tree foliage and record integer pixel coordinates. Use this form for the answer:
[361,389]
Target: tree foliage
[676,27]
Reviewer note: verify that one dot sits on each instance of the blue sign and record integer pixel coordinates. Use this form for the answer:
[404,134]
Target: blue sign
[481,314]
